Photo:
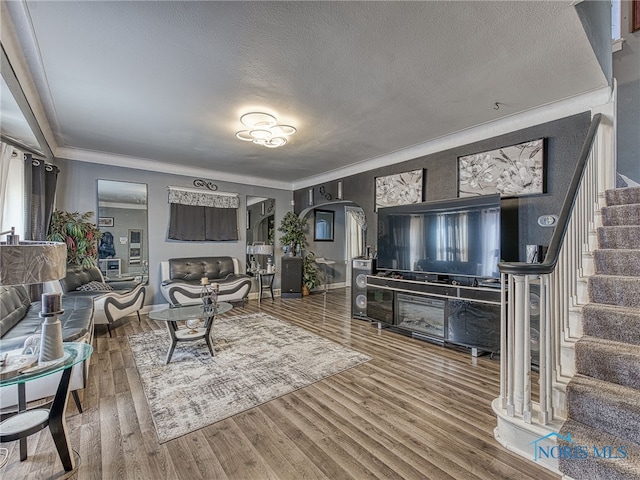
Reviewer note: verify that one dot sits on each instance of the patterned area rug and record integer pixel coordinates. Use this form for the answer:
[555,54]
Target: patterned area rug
[257,358]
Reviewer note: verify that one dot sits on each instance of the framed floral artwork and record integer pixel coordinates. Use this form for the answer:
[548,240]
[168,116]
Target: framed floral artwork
[400,188]
[512,171]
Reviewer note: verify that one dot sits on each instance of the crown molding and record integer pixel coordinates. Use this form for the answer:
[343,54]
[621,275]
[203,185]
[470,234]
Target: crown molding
[122,161]
[511,123]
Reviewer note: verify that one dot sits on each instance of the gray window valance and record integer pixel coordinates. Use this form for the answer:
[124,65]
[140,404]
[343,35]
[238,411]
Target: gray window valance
[203,199]
[203,216]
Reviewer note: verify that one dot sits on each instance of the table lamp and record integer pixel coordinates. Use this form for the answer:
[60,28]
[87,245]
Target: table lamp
[258,249]
[29,262]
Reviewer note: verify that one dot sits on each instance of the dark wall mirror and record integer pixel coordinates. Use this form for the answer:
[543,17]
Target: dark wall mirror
[261,215]
[123,252]
[323,226]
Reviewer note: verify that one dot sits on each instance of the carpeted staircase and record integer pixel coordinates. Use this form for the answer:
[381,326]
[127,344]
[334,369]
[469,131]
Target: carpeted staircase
[603,399]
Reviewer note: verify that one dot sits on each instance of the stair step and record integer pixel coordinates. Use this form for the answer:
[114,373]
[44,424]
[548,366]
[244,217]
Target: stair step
[621,215]
[605,406]
[614,362]
[621,236]
[615,290]
[594,467]
[611,322]
[622,196]
[617,261]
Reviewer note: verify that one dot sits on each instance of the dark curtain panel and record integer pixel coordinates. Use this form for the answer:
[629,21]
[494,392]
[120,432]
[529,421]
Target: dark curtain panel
[194,223]
[186,222]
[220,224]
[41,181]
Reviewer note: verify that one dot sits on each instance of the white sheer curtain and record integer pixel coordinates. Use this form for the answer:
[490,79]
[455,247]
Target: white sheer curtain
[356,237]
[12,198]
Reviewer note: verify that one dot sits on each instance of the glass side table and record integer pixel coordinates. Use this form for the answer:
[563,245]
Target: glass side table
[27,422]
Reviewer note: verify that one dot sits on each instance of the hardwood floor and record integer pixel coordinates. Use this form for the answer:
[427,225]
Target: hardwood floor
[416,411]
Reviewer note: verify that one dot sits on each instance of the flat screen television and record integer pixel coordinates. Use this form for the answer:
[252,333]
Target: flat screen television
[459,237]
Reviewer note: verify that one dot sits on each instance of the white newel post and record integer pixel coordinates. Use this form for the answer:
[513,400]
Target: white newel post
[518,353]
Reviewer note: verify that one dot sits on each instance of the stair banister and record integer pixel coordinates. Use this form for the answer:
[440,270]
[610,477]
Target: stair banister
[551,257]
[558,276]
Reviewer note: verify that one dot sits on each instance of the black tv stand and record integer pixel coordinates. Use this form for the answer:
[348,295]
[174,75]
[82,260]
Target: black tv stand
[445,313]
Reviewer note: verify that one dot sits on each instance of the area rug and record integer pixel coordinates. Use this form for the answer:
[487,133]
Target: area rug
[257,358]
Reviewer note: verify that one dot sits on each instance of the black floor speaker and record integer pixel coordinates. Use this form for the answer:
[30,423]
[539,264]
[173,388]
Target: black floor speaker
[291,277]
[361,267]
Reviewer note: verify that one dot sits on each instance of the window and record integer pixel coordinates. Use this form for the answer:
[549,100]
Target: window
[12,192]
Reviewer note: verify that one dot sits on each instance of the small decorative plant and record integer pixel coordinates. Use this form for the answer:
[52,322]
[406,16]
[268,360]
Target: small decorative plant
[310,278]
[293,229]
[80,235]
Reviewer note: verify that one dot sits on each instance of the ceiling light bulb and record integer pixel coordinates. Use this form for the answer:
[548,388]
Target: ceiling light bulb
[260,134]
[258,119]
[264,130]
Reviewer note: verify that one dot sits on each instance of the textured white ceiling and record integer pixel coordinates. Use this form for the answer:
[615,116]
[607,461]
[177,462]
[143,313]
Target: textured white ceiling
[167,81]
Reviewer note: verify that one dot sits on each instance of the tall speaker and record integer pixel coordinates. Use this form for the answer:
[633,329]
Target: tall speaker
[291,277]
[361,267]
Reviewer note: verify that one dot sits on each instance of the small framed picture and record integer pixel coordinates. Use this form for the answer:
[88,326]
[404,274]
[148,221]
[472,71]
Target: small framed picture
[323,231]
[105,222]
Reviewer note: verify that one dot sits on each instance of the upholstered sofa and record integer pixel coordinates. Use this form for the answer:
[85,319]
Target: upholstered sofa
[19,320]
[181,279]
[112,301]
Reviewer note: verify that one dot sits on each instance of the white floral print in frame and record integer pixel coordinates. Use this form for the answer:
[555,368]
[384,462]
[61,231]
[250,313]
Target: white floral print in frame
[510,171]
[400,189]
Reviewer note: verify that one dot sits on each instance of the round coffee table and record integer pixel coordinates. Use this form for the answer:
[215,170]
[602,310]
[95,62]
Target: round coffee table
[181,313]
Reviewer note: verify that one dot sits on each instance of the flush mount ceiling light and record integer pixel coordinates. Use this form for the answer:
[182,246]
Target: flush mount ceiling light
[264,130]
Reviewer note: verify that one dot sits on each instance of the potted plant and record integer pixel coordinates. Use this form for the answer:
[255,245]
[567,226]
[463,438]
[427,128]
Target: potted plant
[310,278]
[294,237]
[80,235]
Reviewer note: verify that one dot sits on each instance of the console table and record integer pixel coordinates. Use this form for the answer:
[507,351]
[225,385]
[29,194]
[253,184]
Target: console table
[27,422]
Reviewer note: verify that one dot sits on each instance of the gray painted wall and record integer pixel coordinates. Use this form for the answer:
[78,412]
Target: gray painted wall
[626,70]
[596,21]
[564,139]
[77,191]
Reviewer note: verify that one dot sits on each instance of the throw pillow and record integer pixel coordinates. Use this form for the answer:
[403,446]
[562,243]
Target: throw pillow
[94,286]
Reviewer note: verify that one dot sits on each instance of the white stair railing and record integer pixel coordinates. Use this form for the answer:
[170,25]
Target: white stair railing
[557,279]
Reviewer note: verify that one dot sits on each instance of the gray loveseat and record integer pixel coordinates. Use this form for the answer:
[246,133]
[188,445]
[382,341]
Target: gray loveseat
[181,279]
[19,320]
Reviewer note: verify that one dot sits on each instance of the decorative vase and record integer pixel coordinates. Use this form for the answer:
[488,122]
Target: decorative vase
[193,324]
[205,292]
